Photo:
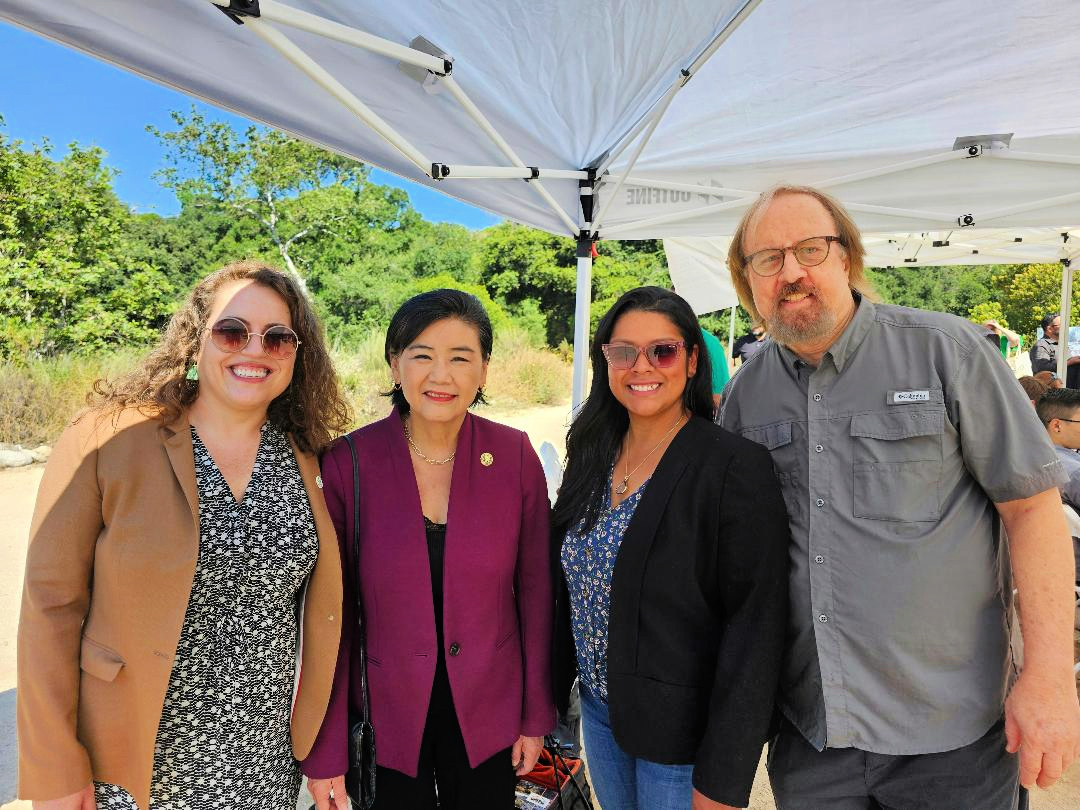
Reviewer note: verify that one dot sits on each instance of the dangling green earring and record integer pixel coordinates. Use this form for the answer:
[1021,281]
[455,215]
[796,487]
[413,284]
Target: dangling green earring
[192,374]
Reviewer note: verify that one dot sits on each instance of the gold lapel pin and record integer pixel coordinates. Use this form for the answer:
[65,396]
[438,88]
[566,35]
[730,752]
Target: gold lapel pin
[487,459]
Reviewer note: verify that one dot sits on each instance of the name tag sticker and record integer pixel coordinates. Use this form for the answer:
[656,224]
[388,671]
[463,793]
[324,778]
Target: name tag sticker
[902,397]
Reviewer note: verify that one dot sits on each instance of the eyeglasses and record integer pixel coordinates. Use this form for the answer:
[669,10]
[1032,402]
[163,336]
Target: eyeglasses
[621,356]
[809,253]
[232,335]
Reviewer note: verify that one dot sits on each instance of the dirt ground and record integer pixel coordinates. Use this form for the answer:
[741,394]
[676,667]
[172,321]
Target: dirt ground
[17,491]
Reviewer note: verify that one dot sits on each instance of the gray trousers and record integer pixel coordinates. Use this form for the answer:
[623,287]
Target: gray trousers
[979,776]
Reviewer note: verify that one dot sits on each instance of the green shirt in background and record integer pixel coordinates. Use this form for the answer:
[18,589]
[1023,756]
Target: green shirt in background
[718,361]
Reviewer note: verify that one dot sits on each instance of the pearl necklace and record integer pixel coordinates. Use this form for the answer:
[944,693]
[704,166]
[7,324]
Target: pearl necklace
[419,452]
[625,484]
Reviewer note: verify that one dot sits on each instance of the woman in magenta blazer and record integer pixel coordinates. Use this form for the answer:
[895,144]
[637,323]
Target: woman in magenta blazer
[454,578]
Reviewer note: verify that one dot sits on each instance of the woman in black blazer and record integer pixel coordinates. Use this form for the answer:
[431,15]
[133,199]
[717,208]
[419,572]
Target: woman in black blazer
[671,539]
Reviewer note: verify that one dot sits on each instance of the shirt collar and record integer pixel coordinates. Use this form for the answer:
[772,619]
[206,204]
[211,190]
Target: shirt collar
[850,339]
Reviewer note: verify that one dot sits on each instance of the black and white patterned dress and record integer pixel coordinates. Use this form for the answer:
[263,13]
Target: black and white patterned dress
[223,741]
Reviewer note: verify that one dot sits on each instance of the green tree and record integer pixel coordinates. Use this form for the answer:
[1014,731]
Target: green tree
[519,264]
[943,289]
[988,311]
[66,279]
[1027,292]
[258,175]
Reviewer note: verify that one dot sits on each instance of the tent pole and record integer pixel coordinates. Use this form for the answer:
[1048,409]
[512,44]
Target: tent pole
[1066,312]
[283,45]
[583,290]
[582,302]
[731,339]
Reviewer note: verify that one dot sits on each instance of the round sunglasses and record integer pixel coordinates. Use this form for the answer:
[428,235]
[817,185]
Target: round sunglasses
[232,335]
[622,356]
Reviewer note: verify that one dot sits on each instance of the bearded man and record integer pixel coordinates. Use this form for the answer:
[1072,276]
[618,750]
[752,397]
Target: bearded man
[902,444]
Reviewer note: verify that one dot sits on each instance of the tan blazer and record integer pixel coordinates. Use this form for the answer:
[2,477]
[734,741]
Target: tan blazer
[113,547]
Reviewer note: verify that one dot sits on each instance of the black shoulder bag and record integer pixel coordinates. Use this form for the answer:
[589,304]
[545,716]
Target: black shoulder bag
[360,777]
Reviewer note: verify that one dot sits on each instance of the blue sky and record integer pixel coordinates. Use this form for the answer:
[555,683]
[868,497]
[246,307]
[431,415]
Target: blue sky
[48,91]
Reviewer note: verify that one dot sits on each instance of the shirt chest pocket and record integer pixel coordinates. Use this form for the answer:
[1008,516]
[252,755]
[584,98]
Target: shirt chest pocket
[777,440]
[897,463]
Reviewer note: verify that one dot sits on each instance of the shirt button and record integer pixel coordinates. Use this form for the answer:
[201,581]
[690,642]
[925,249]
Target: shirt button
[817,397]
[330,617]
[819,502]
[818,448]
[455,648]
[819,559]
[823,618]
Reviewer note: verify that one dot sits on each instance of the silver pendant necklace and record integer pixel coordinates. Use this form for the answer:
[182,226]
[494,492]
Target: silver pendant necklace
[625,483]
[419,452]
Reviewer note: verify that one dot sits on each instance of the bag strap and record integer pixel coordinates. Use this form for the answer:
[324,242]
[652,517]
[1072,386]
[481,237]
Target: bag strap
[361,634]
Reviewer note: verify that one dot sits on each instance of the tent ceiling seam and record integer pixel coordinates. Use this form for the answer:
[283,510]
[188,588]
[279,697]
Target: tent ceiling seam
[685,74]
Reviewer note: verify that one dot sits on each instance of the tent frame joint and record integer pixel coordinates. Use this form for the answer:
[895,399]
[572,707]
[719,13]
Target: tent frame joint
[238,9]
[439,171]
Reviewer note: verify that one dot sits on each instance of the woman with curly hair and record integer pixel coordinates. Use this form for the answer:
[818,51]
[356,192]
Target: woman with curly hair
[183,570]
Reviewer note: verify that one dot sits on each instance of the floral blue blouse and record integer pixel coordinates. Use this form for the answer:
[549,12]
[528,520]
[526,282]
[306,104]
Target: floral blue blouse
[588,561]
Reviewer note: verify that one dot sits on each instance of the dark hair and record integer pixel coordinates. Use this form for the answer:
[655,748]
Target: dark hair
[420,312]
[1048,319]
[1033,387]
[1057,403]
[598,428]
[312,409]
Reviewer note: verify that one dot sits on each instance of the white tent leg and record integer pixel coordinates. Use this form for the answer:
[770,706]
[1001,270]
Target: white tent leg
[731,340]
[1066,311]
[582,306]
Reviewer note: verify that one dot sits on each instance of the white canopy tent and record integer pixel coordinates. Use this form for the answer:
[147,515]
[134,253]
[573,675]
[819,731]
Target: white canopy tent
[644,118]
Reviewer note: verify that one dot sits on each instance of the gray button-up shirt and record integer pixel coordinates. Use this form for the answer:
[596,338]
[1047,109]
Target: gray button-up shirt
[1070,460]
[890,454]
[1043,355]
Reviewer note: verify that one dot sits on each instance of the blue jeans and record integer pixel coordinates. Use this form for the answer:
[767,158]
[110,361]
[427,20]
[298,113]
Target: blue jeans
[623,782]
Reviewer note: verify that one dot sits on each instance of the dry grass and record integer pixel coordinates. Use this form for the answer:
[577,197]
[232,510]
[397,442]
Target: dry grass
[38,398]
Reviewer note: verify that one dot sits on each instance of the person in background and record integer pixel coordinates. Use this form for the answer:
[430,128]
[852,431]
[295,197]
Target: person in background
[180,549]
[896,470]
[454,577]
[717,364]
[1034,388]
[1060,413]
[1044,354]
[1050,379]
[749,344]
[995,331]
[671,555]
